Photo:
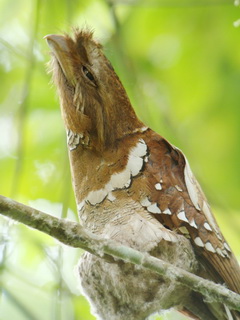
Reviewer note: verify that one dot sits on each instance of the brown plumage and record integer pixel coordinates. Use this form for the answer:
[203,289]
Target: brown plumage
[133,186]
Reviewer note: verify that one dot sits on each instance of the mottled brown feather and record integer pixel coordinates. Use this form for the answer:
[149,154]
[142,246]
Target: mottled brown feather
[170,164]
[98,108]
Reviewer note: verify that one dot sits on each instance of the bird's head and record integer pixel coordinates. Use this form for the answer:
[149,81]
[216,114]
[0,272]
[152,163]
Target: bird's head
[93,100]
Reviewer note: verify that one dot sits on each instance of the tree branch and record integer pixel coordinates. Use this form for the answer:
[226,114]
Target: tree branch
[72,234]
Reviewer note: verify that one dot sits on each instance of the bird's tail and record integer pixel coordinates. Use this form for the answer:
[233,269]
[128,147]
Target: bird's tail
[196,308]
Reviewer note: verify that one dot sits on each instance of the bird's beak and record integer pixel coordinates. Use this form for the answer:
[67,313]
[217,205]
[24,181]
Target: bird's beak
[60,49]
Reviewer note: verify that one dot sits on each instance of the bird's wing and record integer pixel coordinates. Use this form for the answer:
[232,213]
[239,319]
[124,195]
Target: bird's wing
[177,200]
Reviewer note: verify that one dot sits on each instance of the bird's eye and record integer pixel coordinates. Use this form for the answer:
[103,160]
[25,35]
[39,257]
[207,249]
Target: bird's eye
[88,74]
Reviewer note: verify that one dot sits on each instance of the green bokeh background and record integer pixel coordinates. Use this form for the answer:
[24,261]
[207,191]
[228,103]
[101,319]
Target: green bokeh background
[180,63]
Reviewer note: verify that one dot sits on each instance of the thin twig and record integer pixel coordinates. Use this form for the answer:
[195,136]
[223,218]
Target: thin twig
[72,234]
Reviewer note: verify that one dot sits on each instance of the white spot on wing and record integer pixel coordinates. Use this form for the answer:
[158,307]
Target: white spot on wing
[209,216]
[225,253]
[167,211]
[198,242]
[153,208]
[145,202]
[209,247]
[198,199]
[193,224]
[220,253]
[178,188]
[227,247]
[158,186]
[182,216]
[207,226]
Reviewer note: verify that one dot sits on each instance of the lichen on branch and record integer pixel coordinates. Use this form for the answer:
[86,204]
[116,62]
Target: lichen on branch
[72,234]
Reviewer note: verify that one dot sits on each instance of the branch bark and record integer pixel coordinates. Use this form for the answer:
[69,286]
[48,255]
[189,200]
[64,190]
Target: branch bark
[72,234]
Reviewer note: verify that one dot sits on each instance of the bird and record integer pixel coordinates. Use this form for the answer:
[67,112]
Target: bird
[133,186]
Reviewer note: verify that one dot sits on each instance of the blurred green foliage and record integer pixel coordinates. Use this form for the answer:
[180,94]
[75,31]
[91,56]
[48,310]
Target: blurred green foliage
[180,63]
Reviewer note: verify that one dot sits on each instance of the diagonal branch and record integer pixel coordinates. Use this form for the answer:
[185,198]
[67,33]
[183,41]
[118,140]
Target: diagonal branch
[72,234]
